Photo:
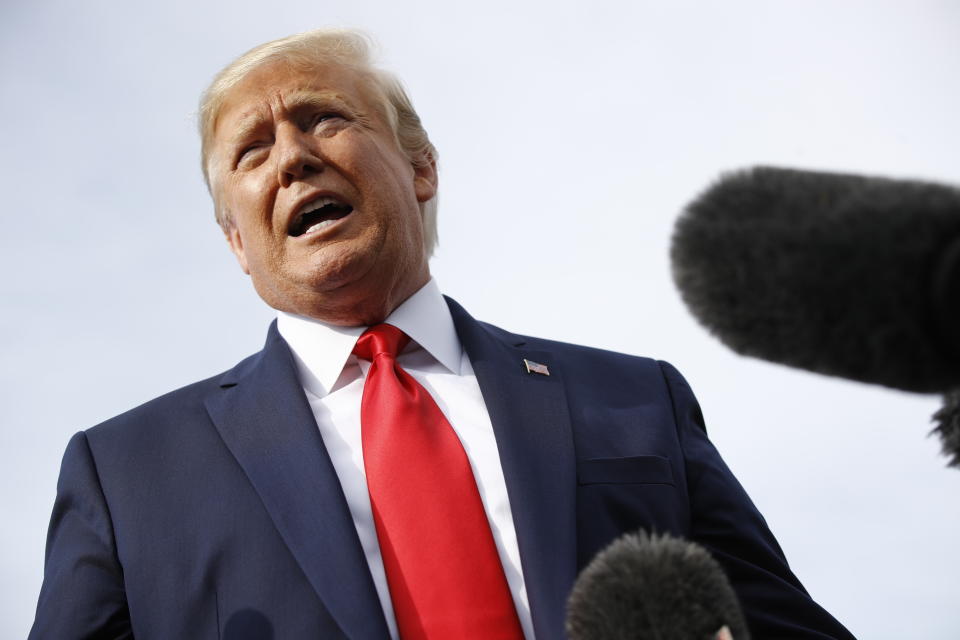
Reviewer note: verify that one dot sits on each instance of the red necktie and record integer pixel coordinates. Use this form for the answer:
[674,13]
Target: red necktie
[445,577]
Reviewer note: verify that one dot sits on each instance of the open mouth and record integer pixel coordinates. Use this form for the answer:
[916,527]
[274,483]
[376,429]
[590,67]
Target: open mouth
[318,215]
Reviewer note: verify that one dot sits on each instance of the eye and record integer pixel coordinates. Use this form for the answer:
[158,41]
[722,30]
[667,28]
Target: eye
[248,155]
[326,119]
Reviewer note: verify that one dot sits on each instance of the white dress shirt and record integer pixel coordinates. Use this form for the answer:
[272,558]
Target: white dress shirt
[333,378]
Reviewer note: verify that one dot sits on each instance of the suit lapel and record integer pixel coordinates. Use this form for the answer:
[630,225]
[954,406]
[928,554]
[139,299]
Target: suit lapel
[265,420]
[534,437]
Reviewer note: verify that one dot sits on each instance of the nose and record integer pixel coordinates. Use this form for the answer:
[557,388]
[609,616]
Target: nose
[296,156]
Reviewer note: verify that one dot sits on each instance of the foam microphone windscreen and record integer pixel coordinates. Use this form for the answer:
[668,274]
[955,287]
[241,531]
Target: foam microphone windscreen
[845,275]
[947,420]
[644,586]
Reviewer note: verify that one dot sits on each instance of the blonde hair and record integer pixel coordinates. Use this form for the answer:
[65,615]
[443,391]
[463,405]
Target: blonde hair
[310,49]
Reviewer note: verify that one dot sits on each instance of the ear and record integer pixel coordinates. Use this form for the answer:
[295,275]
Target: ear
[236,246]
[425,180]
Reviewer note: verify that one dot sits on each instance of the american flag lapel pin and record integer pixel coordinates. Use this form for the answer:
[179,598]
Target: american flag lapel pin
[536,367]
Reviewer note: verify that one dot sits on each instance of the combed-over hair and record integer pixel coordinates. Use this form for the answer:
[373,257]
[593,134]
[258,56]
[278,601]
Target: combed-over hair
[310,49]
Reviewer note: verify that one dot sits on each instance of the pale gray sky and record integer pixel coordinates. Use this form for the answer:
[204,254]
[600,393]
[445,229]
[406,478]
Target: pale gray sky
[570,136]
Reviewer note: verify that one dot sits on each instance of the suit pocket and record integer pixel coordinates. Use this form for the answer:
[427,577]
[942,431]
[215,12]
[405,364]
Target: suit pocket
[631,470]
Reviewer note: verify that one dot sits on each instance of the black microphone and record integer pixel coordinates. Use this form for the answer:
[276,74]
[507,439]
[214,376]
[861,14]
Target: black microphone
[947,420]
[840,274]
[845,275]
[661,587]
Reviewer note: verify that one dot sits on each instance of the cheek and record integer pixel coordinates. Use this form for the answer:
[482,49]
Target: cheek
[248,200]
[377,161]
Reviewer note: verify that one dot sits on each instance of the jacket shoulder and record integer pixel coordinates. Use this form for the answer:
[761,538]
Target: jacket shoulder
[172,411]
[578,352]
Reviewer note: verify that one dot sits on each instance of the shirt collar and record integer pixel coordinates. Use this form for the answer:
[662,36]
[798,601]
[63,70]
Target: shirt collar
[321,350]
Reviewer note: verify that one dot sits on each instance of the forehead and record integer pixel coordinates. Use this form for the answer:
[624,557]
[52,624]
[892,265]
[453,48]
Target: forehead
[273,88]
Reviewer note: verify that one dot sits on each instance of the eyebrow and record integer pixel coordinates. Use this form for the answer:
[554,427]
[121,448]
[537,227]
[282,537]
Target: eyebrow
[312,99]
[300,101]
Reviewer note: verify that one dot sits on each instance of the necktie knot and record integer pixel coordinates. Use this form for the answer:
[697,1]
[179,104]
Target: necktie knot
[381,339]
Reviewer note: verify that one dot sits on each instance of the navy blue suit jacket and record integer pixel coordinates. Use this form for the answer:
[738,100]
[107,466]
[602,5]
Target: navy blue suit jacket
[214,511]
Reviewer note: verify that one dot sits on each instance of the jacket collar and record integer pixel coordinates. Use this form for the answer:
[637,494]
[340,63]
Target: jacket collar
[532,426]
[263,417]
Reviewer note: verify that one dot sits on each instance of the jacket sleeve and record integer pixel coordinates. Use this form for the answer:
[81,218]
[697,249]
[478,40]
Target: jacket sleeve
[725,521]
[82,594]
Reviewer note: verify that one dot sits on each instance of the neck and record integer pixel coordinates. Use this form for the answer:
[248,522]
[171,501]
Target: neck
[342,309]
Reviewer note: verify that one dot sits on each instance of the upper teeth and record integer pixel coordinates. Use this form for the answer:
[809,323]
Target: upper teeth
[319,202]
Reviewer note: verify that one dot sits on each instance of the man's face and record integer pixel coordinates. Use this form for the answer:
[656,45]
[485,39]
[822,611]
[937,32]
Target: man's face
[324,204]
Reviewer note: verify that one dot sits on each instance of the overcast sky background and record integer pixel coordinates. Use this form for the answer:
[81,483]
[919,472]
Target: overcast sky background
[570,136]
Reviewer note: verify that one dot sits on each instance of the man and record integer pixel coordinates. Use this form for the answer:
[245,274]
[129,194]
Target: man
[428,477]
